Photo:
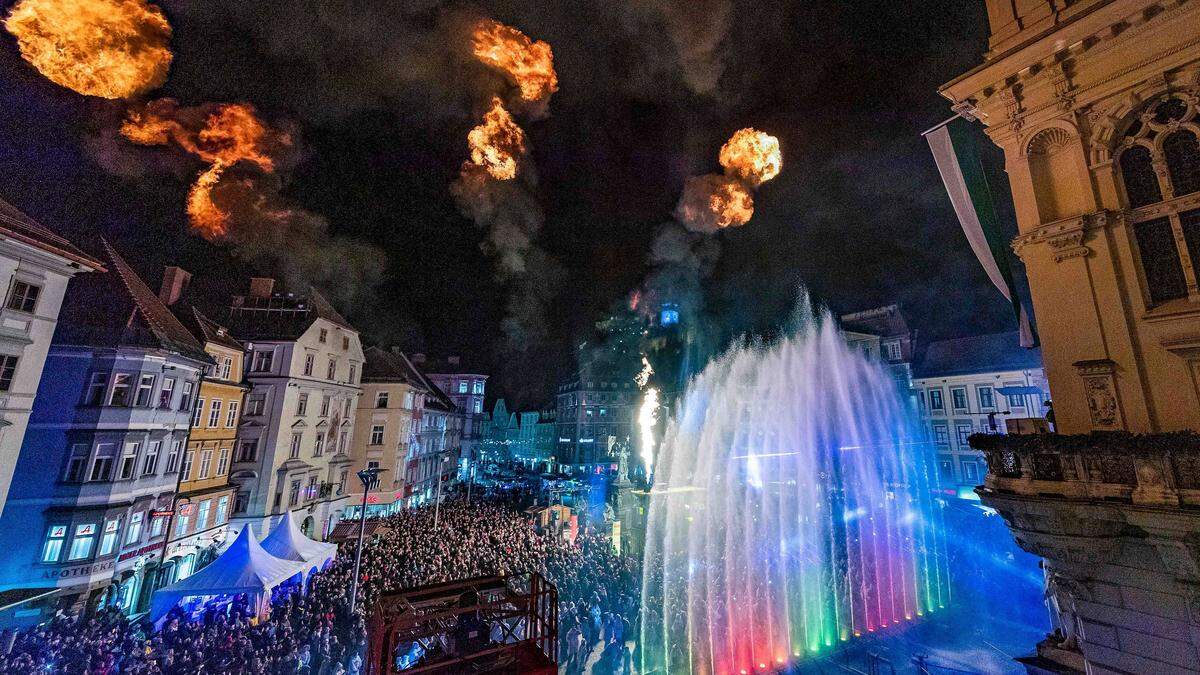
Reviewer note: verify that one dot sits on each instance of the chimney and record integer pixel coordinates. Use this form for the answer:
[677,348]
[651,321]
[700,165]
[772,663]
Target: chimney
[395,349]
[418,358]
[452,360]
[174,282]
[261,287]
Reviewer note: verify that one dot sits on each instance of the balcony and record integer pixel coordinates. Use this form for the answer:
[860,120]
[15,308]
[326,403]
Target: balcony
[1153,469]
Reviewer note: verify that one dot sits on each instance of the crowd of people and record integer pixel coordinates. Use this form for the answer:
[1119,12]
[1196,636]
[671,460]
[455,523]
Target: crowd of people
[312,631]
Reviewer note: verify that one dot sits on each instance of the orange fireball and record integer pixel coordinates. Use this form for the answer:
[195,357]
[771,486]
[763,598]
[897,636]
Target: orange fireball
[713,202]
[206,218]
[525,63]
[107,48]
[498,144]
[752,156]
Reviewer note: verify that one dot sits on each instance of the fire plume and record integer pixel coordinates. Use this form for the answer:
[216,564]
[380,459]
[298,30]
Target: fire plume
[107,48]
[713,202]
[497,144]
[221,135]
[527,64]
[751,156]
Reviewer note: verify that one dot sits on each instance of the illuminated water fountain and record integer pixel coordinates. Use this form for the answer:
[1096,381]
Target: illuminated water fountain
[792,509]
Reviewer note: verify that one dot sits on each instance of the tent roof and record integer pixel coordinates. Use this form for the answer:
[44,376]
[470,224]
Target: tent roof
[286,541]
[244,567]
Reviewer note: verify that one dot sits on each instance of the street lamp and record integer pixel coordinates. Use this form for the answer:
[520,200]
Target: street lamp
[370,480]
[437,508]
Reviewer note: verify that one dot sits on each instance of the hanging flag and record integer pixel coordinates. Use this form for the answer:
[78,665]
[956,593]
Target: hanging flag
[956,152]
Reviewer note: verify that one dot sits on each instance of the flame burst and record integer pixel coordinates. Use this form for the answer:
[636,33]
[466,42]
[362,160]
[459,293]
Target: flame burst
[107,48]
[221,135]
[647,419]
[525,63]
[498,144]
[713,202]
[751,156]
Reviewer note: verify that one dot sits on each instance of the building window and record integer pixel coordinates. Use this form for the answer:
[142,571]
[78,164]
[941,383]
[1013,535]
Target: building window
[134,531]
[226,367]
[342,482]
[157,525]
[353,373]
[76,462]
[205,463]
[345,342]
[946,467]
[1189,221]
[478,386]
[173,456]
[8,368]
[186,473]
[81,543]
[54,543]
[96,388]
[183,520]
[986,400]
[302,405]
[214,413]
[254,405]
[323,335]
[377,434]
[941,435]
[202,514]
[294,493]
[248,450]
[462,386]
[1182,152]
[23,297]
[222,461]
[222,510]
[108,541]
[165,393]
[294,451]
[150,460]
[935,400]
[381,399]
[958,396]
[102,464]
[964,431]
[1160,260]
[144,390]
[198,413]
[970,469]
[263,360]
[346,408]
[1141,181]
[120,390]
[325,405]
[478,407]
[319,445]
[185,400]
[309,359]
[331,371]
[408,400]
[891,351]
[311,492]
[232,417]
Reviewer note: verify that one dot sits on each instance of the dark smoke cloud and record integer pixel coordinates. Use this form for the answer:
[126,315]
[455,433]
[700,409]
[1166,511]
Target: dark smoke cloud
[695,30]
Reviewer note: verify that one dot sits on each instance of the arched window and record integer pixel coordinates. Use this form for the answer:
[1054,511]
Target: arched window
[1182,152]
[1141,184]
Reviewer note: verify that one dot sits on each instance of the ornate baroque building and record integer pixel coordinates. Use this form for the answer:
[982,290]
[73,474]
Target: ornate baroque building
[1095,104]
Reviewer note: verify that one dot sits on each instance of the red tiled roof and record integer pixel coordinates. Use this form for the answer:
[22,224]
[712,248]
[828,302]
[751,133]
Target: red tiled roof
[15,224]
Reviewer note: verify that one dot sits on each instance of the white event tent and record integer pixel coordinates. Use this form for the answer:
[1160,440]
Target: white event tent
[286,541]
[244,567]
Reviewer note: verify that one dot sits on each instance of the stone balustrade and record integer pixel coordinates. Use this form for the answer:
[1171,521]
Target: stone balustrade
[1151,469]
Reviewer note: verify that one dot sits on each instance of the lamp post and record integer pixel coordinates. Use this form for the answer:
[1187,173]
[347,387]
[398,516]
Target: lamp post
[437,505]
[370,479]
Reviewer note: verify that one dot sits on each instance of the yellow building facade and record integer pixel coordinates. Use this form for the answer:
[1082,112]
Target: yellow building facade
[1095,104]
[204,500]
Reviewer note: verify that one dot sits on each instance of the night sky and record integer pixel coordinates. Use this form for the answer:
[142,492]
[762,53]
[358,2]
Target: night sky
[649,90]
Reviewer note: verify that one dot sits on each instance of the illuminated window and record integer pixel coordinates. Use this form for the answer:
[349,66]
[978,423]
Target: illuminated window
[82,542]
[108,541]
[134,531]
[52,550]
[935,400]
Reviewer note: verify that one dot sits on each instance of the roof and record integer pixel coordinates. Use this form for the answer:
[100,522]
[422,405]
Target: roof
[389,366]
[880,321]
[205,329]
[281,316]
[435,396]
[977,354]
[116,308]
[450,365]
[15,224]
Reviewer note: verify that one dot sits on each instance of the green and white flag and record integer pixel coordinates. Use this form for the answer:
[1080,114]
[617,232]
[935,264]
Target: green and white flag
[957,155]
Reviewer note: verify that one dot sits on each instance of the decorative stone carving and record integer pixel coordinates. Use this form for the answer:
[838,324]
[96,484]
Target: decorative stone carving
[1100,389]
[1064,91]
[1012,105]
[1069,245]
